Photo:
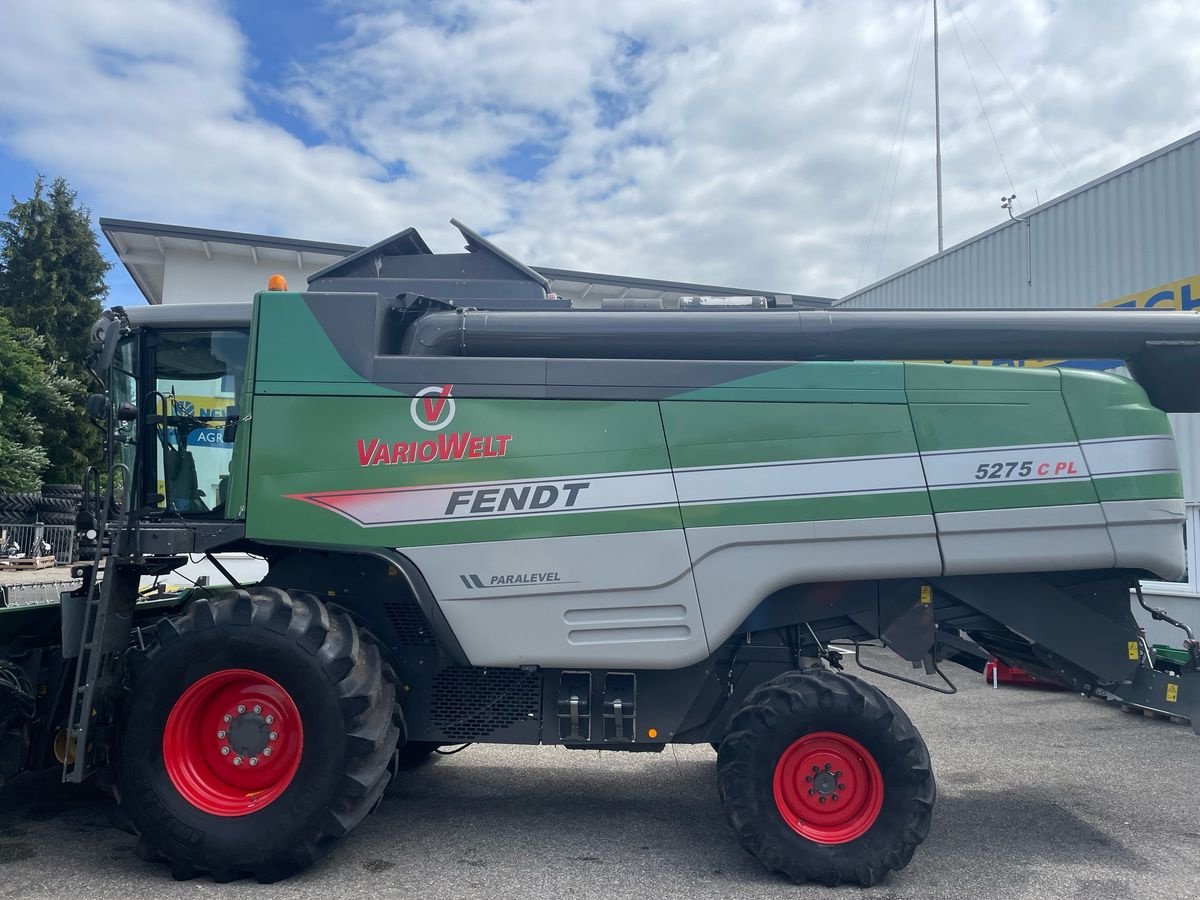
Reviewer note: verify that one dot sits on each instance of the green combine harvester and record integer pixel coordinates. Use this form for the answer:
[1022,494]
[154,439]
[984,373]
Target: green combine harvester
[487,516]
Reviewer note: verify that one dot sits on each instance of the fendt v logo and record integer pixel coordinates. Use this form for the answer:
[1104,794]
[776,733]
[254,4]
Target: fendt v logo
[433,408]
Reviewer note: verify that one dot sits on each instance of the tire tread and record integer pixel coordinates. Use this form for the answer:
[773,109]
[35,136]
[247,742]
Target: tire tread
[799,695]
[366,694]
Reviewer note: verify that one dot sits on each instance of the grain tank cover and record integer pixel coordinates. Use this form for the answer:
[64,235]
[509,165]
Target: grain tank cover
[485,277]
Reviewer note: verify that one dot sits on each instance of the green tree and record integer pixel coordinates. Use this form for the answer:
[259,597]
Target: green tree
[29,389]
[52,282]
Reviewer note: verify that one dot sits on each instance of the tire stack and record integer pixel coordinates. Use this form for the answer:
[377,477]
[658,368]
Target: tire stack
[59,503]
[18,508]
[55,504]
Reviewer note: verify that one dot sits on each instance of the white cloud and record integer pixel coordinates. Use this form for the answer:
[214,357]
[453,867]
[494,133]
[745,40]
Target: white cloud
[732,143]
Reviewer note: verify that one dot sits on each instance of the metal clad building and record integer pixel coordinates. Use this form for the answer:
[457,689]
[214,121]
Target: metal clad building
[1125,232]
[1128,239]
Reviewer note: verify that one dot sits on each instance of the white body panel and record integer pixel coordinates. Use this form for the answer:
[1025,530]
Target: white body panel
[623,600]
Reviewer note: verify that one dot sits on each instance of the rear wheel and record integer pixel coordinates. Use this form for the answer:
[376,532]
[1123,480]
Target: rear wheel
[260,728]
[824,778]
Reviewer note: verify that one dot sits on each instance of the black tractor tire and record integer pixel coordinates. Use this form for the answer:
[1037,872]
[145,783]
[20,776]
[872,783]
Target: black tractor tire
[67,491]
[338,725]
[57,518]
[813,724]
[18,502]
[58,504]
[415,753]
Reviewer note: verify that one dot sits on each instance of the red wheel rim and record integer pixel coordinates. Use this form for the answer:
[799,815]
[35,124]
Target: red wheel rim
[233,742]
[828,788]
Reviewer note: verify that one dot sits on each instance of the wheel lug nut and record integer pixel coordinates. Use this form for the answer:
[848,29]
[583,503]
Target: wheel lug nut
[828,767]
[254,760]
[270,720]
[837,774]
[806,777]
[811,792]
[822,800]
[237,761]
[274,735]
[257,709]
[241,709]
[834,796]
[267,751]
[221,734]
[816,769]
[841,787]
[224,751]
[228,718]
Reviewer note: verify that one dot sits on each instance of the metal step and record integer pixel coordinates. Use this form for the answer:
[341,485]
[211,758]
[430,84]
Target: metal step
[93,647]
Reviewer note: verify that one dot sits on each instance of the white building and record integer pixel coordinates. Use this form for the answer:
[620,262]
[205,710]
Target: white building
[1130,238]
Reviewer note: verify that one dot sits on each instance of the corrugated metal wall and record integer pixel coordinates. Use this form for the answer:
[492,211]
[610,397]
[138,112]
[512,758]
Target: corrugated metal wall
[1128,231]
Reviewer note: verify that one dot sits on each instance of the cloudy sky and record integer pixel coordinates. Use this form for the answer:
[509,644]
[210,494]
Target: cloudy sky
[761,144]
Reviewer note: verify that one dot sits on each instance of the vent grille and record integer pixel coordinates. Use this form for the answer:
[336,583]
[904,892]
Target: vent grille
[409,623]
[470,703]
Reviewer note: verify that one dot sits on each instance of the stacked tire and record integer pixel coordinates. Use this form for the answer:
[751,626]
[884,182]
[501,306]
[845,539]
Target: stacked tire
[55,504]
[59,503]
[18,508]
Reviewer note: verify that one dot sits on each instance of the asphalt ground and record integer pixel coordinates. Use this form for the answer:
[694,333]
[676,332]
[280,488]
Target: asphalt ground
[1041,795]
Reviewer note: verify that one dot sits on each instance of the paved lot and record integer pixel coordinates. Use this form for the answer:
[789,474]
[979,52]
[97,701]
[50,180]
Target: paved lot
[1041,795]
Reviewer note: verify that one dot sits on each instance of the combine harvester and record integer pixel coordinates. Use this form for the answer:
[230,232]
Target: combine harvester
[488,516]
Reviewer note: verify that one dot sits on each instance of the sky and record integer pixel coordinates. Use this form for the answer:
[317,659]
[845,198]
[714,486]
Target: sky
[783,146]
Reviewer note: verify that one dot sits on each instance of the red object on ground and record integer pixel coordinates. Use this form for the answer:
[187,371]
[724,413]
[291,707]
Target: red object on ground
[997,671]
[828,788]
[232,743]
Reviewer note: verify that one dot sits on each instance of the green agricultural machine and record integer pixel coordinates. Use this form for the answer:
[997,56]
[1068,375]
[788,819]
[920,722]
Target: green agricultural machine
[488,516]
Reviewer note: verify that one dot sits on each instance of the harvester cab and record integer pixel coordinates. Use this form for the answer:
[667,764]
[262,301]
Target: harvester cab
[488,515]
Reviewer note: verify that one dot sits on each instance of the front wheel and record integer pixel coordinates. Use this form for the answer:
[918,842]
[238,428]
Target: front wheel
[824,778]
[260,728]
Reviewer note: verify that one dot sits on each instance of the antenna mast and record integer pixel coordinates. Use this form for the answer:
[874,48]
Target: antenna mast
[937,124]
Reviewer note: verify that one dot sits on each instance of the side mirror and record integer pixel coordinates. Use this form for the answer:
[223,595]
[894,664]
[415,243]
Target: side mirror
[96,406]
[232,417]
[105,336]
[126,412]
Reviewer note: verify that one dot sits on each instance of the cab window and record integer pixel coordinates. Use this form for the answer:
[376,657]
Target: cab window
[198,375]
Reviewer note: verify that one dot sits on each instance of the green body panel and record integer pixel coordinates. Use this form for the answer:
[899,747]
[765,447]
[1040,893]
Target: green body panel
[1159,486]
[317,426]
[726,433]
[814,382]
[955,407]
[543,439]
[908,503]
[1107,406]
[294,350]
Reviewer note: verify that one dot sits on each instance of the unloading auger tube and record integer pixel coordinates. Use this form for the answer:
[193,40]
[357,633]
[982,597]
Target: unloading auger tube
[1161,349]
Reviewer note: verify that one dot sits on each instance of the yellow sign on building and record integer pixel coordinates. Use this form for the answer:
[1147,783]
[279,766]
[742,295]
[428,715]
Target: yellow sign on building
[1183,294]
